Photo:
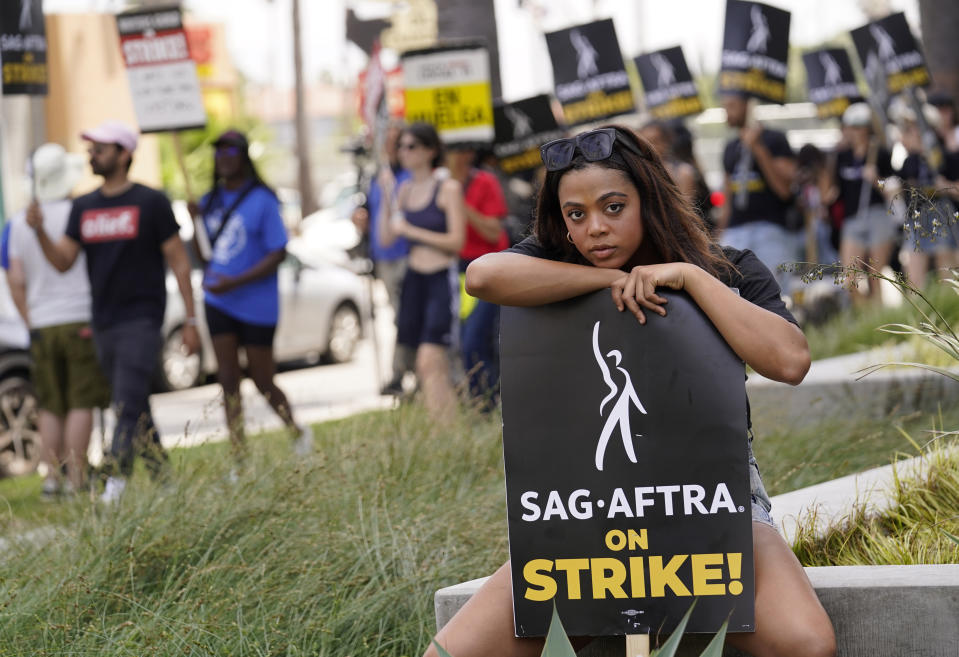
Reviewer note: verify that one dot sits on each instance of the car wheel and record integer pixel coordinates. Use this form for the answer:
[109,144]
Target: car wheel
[345,332]
[178,369]
[19,438]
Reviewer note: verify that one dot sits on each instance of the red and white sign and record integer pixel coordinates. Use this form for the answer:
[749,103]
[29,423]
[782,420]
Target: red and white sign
[163,78]
[110,224]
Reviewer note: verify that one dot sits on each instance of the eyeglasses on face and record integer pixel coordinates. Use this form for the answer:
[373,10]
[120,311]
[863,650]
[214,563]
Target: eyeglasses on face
[594,146]
[409,145]
[226,149]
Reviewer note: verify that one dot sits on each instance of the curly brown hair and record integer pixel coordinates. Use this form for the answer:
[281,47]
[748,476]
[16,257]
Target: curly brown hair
[676,231]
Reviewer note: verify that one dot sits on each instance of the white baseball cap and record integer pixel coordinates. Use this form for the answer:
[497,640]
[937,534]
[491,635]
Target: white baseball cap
[113,132]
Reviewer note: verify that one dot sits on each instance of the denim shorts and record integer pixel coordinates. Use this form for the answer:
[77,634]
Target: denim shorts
[934,230]
[761,505]
[874,228]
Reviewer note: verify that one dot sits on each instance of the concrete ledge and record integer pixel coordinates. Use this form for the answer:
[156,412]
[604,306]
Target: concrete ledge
[833,388]
[878,611]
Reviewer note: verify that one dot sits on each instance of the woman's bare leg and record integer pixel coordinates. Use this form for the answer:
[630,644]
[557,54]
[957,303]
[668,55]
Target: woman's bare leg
[433,372]
[790,621]
[484,625]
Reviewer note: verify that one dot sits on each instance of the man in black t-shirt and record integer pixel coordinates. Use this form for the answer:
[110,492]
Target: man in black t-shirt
[129,235]
[760,169]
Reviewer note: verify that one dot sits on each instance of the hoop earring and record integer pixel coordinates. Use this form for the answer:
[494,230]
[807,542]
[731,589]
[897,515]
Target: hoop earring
[569,238]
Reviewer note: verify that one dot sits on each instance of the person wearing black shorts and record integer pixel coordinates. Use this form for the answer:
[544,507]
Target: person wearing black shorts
[247,242]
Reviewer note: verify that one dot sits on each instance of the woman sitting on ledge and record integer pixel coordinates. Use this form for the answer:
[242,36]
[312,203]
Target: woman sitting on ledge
[609,216]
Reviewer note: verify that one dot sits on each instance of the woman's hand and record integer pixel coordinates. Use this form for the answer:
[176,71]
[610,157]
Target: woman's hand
[219,283]
[399,224]
[637,289]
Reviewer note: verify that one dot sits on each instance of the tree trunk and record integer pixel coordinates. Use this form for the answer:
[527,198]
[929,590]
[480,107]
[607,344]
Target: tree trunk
[305,177]
[940,26]
[472,19]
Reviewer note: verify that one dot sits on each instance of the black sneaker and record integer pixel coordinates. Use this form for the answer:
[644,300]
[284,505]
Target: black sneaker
[393,389]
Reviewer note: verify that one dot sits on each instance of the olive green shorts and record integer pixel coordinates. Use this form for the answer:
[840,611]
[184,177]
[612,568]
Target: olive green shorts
[66,374]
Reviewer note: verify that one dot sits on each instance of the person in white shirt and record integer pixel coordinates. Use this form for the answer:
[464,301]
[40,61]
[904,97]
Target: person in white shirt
[57,309]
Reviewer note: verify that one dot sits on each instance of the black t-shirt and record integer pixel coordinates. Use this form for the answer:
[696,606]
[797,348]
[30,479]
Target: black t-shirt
[849,178]
[759,203]
[754,282]
[122,237]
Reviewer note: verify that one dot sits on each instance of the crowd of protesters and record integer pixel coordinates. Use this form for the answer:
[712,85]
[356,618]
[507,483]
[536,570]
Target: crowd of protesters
[88,274]
[855,204]
[88,277]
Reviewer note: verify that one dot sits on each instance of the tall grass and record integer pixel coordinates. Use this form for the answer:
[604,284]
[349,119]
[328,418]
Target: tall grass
[857,328]
[915,530]
[337,555]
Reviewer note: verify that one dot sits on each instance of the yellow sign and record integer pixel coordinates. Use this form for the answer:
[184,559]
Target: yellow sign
[450,88]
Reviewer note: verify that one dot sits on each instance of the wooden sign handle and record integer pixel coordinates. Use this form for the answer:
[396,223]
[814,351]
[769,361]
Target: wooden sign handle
[637,645]
[181,160]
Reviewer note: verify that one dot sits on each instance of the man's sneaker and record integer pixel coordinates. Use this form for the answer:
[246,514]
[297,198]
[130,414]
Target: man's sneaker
[50,490]
[303,445]
[393,389]
[113,490]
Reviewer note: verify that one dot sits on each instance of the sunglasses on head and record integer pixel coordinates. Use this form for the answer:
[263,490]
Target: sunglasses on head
[594,146]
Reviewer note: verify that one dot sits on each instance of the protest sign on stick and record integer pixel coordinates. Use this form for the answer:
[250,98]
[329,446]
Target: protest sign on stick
[831,81]
[627,482]
[163,80]
[449,87]
[162,76]
[755,51]
[669,89]
[23,48]
[890,55]
[889,42]
[521,128]
[23,54]
[589,75]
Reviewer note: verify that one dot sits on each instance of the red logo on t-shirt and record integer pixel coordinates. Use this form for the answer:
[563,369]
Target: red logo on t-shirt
[110,224]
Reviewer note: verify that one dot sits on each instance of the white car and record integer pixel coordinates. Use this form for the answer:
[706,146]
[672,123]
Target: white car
[19,439]
[324,302]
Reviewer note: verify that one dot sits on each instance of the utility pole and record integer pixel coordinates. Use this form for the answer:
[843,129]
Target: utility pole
[308,203]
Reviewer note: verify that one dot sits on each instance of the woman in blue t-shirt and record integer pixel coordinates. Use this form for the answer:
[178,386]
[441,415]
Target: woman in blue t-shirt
[247,242]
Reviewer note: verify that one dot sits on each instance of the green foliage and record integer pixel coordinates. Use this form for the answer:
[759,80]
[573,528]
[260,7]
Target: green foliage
[336,555]
[859,328]
[918,528]
[557,643]
[793,457]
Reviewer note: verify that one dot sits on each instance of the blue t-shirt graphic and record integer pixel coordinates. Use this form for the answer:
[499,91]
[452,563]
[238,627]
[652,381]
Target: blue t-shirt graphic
[254,229]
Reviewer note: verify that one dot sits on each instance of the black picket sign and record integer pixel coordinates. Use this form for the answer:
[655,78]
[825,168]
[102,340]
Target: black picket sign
[626,469]
[521,128]
[668,86]
[755,51]
[831,81]
[589,75]
[23,48]
[888,44]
